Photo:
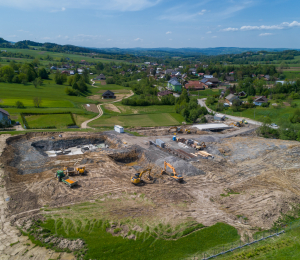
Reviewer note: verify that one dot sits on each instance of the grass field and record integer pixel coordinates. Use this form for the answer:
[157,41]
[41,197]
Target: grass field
[276,114]
[89,221]
[164,119]
[59,121]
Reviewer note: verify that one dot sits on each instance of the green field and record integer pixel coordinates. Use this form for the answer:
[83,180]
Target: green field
[52,120]
[163,119]
[275,114]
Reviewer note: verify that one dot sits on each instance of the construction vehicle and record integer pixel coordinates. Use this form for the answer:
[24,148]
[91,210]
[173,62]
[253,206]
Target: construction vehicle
[200,146]
[71,171]
[188,131]
[175,129]
[173,175]
[61,177]
[137,178]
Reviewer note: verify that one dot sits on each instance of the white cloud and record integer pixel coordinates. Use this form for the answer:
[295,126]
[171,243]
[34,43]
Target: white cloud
[138,40]
[170,39]
[168,32]
[208,32]
[58,10]
[61,5]
[202,12]
[23,31]
[265,34]
[108,40]
[281,26]
[230,29]
[12,36]
[214,37]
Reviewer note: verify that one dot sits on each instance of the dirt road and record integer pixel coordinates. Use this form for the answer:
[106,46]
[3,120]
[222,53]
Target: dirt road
[201,102]
[84,125]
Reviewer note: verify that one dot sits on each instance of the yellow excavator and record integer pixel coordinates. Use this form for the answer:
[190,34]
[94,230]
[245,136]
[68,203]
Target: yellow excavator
[173,175]
[70,171]
[137,178]
[188,131]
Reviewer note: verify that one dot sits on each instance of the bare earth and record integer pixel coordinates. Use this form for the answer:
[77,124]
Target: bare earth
[257,176]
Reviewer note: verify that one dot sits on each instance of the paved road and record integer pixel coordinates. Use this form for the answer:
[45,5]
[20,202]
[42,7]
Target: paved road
[201,102]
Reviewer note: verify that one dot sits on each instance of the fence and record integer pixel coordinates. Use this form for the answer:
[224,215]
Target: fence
[264,235]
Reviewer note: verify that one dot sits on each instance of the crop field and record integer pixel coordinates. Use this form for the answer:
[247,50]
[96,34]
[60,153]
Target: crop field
[163,119]
[51,120]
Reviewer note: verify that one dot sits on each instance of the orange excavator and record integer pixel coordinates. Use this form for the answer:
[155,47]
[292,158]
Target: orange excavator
[173,175]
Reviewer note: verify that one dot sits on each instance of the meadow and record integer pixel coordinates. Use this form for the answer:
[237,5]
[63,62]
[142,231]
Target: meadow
[58,121]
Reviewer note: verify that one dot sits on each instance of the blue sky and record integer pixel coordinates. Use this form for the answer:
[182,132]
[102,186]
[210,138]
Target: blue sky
[153,23]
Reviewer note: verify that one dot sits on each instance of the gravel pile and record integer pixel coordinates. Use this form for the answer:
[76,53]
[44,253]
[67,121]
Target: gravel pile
[181,166]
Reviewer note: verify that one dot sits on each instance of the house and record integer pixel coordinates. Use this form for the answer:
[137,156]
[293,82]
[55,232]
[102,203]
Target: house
[209,82]
[208,76]
[267,77]
[219,117]
[108,94]
[230,98]
[194,85]
[65,72]
[72,72]
[4,117]
[201,75]
[80,71]
[53,68]
[258,101]
[174,84]
[164,93]
[229,78]
[242,94]
[169,71]
[100,77]
[231,73]
[193,71]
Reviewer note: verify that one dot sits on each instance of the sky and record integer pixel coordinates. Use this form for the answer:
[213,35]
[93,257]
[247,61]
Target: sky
[154,23]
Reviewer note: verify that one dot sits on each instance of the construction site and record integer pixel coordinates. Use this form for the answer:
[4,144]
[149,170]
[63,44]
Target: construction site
[230,176]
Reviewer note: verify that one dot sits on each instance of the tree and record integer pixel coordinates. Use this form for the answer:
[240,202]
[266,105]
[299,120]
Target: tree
[250,100]
[28,69]
[37,101]
[37,82]
[43,74]
[215,75]
[19,104]
[7,73]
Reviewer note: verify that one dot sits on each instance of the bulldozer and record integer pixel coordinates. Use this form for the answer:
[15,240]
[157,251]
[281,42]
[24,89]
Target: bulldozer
[173,175]
[200,146]
[137,178]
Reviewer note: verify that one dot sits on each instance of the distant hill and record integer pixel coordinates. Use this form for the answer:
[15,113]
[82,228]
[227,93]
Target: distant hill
[189,51]
[150,52]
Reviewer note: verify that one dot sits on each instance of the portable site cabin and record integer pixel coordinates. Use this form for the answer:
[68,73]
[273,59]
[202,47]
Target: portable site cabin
[160,143]
[119,129]
[219,117]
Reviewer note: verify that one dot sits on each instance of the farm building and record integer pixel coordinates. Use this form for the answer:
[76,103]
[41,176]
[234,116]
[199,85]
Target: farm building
[194,85]
[4,117]
[108,94]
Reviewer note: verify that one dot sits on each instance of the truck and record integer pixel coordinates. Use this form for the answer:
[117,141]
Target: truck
[61,177]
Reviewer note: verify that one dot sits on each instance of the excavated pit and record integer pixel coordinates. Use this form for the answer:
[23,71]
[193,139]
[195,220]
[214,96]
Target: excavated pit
[29,155]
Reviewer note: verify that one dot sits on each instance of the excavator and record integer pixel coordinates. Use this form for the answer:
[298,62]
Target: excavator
[137,178]
[70,171]
[200,146]
[175,129]
[173,175]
